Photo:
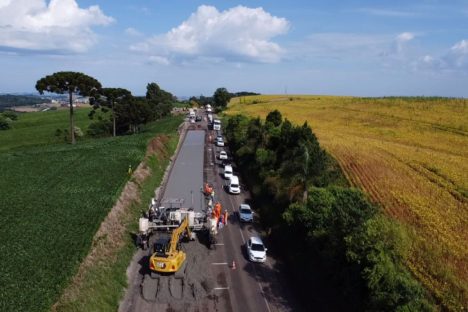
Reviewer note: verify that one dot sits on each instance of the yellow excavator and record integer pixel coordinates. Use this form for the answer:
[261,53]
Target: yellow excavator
[168,256]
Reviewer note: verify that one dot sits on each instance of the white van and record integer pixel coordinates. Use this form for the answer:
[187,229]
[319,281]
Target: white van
[233,185]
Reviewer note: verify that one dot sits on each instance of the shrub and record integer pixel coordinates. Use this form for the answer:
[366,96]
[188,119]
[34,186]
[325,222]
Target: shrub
[4,123]
[10,114]
[100,128]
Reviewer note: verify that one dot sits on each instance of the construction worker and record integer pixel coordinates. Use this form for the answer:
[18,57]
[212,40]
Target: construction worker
[217,210]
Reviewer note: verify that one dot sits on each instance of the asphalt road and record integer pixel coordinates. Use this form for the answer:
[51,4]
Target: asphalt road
[245,287]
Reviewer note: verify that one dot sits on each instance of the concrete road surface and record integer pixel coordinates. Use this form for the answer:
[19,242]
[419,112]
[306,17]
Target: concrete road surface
[186,177]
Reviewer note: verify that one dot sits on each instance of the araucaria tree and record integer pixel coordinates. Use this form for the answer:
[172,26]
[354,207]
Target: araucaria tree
[108,98]
[159,100]
[71,83]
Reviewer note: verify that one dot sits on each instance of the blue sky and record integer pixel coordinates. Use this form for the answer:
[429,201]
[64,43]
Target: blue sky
[190,47]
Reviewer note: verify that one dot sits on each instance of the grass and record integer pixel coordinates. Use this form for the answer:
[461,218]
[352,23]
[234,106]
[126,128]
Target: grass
[54,197]
[410,156]
[103,284]
[39,128]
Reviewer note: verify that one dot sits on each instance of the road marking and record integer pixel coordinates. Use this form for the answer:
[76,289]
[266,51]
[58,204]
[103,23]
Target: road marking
[242,235]
[219,263]
[219,244]
[221,288]
[263,295]
[261,288]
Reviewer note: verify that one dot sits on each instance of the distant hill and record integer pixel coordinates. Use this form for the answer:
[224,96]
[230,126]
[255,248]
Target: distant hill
[10,100]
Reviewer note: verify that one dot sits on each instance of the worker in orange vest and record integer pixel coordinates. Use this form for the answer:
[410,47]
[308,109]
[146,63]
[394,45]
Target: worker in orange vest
[217,210]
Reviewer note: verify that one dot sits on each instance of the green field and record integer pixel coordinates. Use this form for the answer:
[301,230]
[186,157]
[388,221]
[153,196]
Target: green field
[53,199]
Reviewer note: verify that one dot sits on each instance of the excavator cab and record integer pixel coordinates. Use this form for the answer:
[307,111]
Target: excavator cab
[161,246]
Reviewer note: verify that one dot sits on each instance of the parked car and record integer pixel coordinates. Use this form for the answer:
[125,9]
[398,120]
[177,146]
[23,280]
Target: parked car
[233,185]
[216,124]
[223,155]
[245,213]
[227,171]
[256,249]
[198,118]
[220,143]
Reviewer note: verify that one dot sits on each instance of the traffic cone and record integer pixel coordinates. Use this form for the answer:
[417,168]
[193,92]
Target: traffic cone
[233,265]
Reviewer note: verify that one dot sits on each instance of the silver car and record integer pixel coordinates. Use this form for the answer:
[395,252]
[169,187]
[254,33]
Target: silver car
[245,213]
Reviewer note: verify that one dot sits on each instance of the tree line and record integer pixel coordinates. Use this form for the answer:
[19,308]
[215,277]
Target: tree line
[219,100]
[341,252]
[115,110]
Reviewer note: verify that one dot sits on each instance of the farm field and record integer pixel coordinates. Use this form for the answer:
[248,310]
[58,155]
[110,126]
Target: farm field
[410,155]
[39,128]
[53,199]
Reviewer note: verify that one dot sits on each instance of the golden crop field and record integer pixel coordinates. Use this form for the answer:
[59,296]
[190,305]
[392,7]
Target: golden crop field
[410,155]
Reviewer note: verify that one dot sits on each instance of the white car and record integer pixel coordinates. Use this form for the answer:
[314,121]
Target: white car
[216,124]
[223,155]
[233,185]
[256,250]
[245,213]
[219,142]
[227,171]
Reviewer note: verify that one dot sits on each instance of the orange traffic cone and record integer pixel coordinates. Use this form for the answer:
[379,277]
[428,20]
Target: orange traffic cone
[233,265]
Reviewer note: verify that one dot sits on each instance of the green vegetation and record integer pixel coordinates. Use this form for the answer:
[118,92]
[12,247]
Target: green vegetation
[6,119]
[69,83]
[221,98]
[10,100]
[103,284]
[54,197]
[39,128]
[409,155]
[342,249]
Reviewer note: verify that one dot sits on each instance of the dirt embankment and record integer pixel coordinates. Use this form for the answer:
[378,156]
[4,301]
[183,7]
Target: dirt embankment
[111,235]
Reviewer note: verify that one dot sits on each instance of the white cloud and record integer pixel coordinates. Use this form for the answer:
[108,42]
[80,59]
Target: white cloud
[59,25]
[404,37]
[130,31]
[237,34]
[387,12]
[458,55]
[354,46]
[341,45]
[460,47]
[158,60]
[454,59]
[401,40]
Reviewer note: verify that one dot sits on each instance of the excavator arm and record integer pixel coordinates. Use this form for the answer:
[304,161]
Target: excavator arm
[176,234]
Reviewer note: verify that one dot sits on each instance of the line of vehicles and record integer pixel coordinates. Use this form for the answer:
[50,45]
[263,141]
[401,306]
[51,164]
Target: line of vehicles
[170,216]
[256,250]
